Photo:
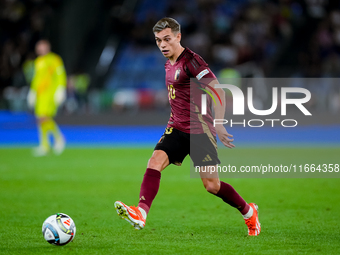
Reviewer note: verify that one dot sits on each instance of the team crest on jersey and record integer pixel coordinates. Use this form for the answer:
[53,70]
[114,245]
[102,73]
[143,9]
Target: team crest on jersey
[178,71]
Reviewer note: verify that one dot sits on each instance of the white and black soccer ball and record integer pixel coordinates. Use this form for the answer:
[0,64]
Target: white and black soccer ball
[59,229]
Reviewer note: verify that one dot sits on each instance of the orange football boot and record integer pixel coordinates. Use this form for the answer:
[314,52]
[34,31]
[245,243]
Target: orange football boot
[254,226]
[130,214]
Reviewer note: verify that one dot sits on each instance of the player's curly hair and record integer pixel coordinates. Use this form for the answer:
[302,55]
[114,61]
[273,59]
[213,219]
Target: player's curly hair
[167,23]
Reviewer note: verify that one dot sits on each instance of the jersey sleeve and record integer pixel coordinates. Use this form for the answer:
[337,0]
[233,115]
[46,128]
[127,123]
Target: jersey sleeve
[199,69]
[60,72]
[35,79]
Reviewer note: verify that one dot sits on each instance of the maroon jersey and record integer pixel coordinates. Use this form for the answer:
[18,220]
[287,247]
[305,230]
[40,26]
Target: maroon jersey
[185,99]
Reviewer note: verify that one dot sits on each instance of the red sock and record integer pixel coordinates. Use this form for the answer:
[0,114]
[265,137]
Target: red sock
[231,197]
[149,188]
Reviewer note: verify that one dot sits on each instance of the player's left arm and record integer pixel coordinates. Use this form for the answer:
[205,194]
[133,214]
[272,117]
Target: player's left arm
[60,93]
[32,93]
[199,69]
[219,109]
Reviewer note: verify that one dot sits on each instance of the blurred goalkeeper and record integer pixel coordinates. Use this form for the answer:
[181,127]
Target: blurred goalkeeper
[47,93]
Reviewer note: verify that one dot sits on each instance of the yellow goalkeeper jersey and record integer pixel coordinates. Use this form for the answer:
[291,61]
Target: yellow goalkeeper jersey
[49,75]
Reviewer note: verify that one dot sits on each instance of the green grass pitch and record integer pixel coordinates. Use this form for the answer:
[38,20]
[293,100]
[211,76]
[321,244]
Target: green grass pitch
[298,216]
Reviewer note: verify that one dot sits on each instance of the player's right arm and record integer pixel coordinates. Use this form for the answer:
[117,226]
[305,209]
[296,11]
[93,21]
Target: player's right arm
[32,93]
[61,81]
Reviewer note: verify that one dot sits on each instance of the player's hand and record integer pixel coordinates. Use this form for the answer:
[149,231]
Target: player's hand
[31,98]
[60,95]
[224,136]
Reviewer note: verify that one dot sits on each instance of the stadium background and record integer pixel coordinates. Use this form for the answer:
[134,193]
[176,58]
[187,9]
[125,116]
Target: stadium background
[117,107]
[116,75]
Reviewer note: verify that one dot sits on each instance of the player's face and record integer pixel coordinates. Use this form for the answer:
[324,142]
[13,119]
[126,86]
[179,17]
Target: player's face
[168,42]
[42,48]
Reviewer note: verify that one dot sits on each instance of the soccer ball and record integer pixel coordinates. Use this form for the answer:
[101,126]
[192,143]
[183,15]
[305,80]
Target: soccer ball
[59,229]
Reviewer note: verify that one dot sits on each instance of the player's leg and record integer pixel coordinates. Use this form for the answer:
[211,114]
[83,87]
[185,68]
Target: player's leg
[158,161]
[44,111]
[213,185]
[47,125]
[210,179]
[168,150]
[225,191]
[59,140]
[151,180]
[136,216]
[230,196]
[44,144]
[204,154]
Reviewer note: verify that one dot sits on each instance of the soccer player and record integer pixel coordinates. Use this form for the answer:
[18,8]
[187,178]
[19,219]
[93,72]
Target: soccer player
[187,125]
[46,94]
